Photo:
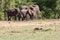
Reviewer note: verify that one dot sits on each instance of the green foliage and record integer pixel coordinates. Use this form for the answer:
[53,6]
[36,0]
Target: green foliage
[29,3]
[1,15]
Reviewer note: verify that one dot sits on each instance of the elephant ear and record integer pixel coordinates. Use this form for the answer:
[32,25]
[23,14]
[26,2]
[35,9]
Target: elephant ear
[31,8]
[16,10]
[26,8]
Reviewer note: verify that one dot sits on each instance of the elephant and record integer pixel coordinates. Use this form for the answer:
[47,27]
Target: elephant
[11,12]
[19,14]
[30,12]
[35,10]
[24,12]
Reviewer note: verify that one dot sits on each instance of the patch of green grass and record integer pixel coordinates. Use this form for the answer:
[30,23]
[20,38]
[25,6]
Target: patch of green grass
[26,33]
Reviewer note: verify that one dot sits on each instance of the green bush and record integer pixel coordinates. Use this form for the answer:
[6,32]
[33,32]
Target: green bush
[1,16]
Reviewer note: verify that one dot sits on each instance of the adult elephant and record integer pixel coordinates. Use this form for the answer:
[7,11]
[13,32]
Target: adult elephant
[24,12]
[35,10]
[11,12]
[19,14]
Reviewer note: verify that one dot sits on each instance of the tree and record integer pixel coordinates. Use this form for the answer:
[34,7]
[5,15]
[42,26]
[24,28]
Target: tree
[45,5]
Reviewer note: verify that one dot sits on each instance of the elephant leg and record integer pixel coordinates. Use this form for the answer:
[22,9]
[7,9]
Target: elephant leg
[19,18]
[26,16]
[15,18]
[9,18]
[23,18]
[34,15]
[31,16]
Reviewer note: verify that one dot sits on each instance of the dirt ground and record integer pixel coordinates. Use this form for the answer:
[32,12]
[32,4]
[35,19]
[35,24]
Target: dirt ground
[30,23]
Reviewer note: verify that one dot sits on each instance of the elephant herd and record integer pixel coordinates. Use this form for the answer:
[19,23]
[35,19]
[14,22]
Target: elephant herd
[23,12]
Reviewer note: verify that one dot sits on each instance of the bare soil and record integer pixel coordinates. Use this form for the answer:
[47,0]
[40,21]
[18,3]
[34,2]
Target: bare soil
[29,23]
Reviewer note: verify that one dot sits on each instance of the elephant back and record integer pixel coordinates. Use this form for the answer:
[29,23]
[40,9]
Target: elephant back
[12,9]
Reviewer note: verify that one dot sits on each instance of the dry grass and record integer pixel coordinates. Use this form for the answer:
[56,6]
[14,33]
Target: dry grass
[18,30]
